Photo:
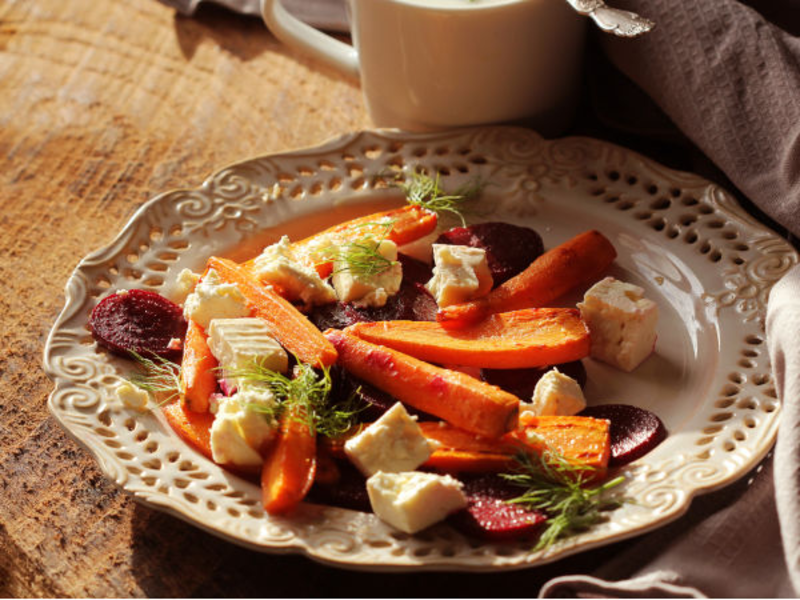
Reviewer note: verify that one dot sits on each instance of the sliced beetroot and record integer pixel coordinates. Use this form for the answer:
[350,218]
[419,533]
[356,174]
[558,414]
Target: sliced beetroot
[412,302]
[521,382]
[336,316]
[350,491]
[139,321]
[510,249]
[415,271]
[634,431]
[488,514]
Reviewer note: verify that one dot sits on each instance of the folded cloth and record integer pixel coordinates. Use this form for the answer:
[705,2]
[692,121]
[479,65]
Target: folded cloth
[728,76]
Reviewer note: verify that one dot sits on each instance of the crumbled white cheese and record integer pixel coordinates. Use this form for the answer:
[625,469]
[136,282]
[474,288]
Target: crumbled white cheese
[184,285]
[212,299]
[278,265]
[414,500]
[621,321]
[460,273]
[132,396]
[368,289]
[239,431]
[391,444]
[239,344]
[555,394]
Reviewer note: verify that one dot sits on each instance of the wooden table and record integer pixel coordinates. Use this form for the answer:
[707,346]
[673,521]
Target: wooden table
[103,104]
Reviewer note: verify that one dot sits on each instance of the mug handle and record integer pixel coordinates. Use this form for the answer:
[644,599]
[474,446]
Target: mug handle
[296,34]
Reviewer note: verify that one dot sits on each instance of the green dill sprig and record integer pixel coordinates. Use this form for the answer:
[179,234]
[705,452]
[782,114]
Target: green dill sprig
[361,257]
[305,397]
[426,191]
[158,376]
[557,487]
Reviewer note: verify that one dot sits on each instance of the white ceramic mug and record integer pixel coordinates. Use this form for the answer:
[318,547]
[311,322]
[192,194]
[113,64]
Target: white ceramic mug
[433,64]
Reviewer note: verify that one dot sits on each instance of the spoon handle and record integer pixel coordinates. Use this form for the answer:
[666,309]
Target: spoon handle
[622,23]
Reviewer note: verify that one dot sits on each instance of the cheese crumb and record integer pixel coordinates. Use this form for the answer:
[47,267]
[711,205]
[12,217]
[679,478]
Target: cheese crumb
[239,431]
[414,500]
[375,289]
[239,344]
[555,394]
[279,265]
[460,273]
[213,299]
[391,444]
[621,322]
[132,396]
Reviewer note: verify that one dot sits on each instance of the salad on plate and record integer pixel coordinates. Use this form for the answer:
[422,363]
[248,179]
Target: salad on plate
[393,365]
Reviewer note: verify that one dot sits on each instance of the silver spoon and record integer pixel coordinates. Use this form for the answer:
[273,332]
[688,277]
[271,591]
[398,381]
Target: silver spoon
[622,23]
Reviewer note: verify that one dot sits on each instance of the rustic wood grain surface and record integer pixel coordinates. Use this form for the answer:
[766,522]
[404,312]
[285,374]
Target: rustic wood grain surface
[103,104]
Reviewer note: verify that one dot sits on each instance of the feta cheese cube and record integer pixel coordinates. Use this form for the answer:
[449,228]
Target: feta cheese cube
[132,396]
[555,394]
[239,431]
[213,299]
[391,444]
[621,321]
[239,344]
[414,500]
[279,265]
[368,289]
[460,273]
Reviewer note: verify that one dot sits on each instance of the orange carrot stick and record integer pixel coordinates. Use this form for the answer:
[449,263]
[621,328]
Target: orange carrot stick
[194,428]
[583,440]
[575,262]
[289,468]
[512,340]
[400,225]
[198,380]
[450,395]
[289,326]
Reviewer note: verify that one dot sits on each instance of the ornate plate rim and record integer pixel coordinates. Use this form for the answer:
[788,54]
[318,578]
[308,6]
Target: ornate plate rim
[80,405]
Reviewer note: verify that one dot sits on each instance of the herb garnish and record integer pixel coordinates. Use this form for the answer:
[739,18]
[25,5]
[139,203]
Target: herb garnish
[558,488]
[361,257]
[426,191]
[305,397]
[158,376]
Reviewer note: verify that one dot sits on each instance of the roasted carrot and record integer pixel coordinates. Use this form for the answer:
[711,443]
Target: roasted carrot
[581,440]
[450,395]
[198,380]
[512,340]
[400,225]
[289,326]
[577,261]
[193,427]
[289,467]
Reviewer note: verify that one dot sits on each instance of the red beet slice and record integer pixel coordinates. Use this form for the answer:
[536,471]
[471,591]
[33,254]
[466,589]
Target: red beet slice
[415,271]
[336,316]
[139,321]
[350,491]
[510,249]
[521,382]
[634,431]
[488,515]
[412,302]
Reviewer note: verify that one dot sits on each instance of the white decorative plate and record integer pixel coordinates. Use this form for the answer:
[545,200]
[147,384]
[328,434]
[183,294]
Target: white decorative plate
[708,264]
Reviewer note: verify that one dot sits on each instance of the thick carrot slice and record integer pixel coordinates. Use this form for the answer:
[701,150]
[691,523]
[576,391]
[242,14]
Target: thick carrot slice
[198,379]
[289,468]
[408,224]
[581,440]
[289,326]
[450,395]
[512,340]
[194,428]
[575,262]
